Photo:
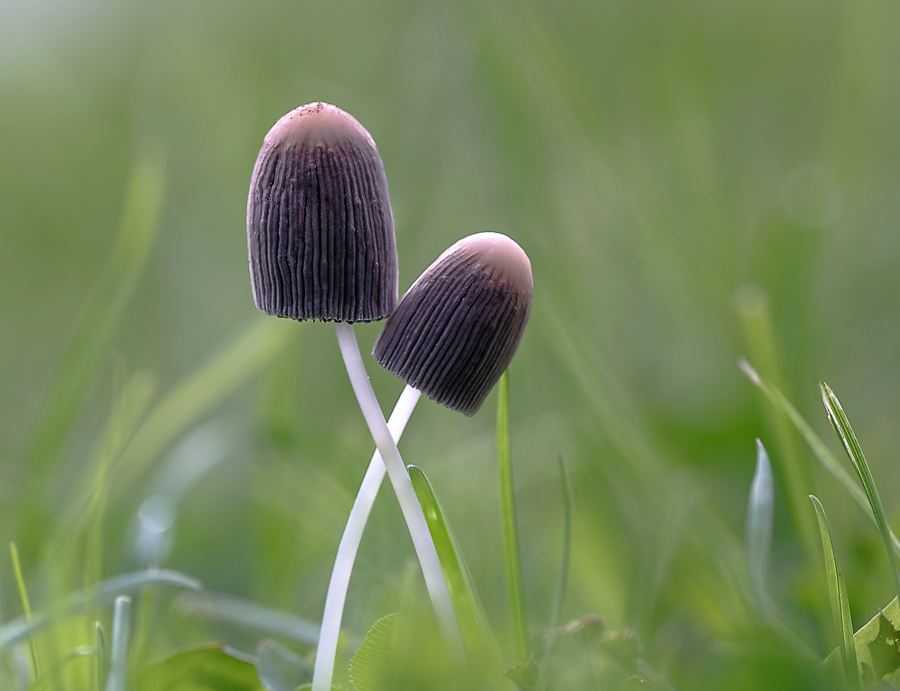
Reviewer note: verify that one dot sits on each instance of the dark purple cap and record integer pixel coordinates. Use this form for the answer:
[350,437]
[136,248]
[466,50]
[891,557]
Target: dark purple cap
[320,231]
[459,325]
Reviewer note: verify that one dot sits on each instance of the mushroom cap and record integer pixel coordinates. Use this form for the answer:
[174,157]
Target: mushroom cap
[459,325]
[320,231]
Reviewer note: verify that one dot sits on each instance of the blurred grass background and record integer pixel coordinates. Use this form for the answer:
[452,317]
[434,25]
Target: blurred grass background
[651,157]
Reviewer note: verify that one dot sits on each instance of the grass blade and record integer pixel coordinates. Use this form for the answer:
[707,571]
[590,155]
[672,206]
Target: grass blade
[845,432]
[100,654]
[840,606]
[828,460]
[118,652]
[758,529]
[215,607]
[26,605]
[510,532]
[752,303]
[476,631]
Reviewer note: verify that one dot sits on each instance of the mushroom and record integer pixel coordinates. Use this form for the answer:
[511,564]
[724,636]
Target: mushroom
[458,327]
[453,334]
[320,238]
[320,231]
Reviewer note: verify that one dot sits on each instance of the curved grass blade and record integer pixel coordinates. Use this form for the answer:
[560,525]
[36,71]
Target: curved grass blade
[758,529]
[216,607]
[848,438]
[840,606]
[510,531]
[100,595]
[828,460]
[477,635]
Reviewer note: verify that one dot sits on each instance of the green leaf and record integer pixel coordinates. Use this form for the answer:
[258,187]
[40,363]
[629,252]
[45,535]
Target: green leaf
[374,666]
[845,432]
[758,529]
[840,606]
[279,668]
[208,667]
[828,460]
[477,635]
[877,647]
[508,517]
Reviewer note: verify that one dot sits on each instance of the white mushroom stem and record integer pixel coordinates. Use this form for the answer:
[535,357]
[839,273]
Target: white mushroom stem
[435,581]
[349,546]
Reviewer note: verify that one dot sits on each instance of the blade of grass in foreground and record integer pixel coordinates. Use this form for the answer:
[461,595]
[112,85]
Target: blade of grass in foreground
[821,451]
[510,531]
[840,606]
[758,529]
[477,634]
[848,438]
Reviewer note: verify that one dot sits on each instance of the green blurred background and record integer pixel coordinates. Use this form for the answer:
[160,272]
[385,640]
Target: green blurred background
[651,157]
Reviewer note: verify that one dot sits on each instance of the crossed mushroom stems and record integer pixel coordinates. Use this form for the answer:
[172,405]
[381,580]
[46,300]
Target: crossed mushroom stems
[321,246]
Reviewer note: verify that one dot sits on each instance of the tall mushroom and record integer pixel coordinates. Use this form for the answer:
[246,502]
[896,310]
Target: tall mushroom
[451,337]
[320,236]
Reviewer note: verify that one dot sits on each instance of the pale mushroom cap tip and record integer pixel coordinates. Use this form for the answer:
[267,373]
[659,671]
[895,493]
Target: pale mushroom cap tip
[498,253]
[317,123]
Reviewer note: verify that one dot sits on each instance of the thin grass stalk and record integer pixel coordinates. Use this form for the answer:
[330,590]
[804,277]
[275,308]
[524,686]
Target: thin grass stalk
[118,654]
[100,655]
[510,532]
[842,427]
[26,606]
[406,496]
[349,546]
[840,605]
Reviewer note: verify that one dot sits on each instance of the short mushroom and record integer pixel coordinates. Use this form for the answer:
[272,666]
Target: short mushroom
[320,238]
[458,327]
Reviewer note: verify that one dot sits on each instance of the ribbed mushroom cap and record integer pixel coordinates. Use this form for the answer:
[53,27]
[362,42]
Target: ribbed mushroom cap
[459,325]
[320,231]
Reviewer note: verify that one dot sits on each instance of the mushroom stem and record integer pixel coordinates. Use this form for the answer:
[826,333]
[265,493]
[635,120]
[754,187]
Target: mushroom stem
[347,549]
[435,581]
